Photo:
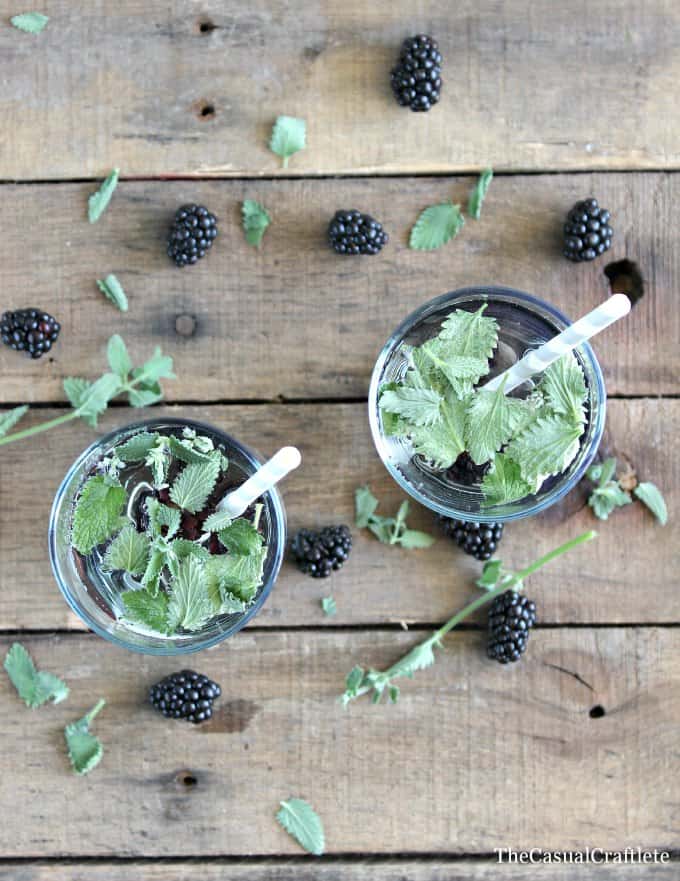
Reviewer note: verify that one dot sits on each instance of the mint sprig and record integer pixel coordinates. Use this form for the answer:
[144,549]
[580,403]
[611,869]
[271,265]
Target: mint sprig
[289,136]
[84,749]
[255,221]
[34,687]
[98,513]
[388,530]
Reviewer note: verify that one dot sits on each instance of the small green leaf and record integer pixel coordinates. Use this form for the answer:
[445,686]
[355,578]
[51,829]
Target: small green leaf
[420,657]
[255,221]
[354,679]
[113,290]
[412,538]
[394,692]
[365,506]
[301,821]
[436,226]
[151,579]
[382,528]
[33,687]
[606,498]
[144,608]
[289,135]
[97,514]
[602,472]
[11,417]
[128,552]
[94,397]
[84,749]
[328,606]
[163,516]
[547,446]
[76,390]
[564,387]
[419,406]
[471,334]
[145,395]
[98,201]
[490,575]
[30,22]
[158,366]
[118,358]
[236,574]
[479,192]
[137,447]
[442,443]
[240,537]
[194,484]
[185,451]
[189,606]
[492,418]
[217,521]
[504,482]
[650,495]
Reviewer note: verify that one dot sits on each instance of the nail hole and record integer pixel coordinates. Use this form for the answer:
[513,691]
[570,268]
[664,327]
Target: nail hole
[597,712]
[207,110]
[625,278]
[207,27]
[185,324]
[186,778]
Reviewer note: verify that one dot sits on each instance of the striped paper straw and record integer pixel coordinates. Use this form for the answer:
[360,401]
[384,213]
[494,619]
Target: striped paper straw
[537,360]
[280,464]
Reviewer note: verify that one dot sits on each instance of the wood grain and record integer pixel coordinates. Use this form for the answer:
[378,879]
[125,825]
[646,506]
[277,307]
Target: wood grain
[528,85]
[475,756]
[295,320]
[627,575]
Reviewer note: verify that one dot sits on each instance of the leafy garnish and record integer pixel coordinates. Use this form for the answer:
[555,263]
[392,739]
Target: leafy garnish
[84,749]
[189,606]
[90,399]
[548,446]
[142,607]
[128,552]
[492,418]
[564,387]
[137,447]
[241,537]
[118,357]
[650,495]
[255,221]
[504,481]
[471,333]
[301,821]
[34,687]
[11,417]
[417,405]
[30,22]
[289,135]
[237,574]
[113,290]
[98,513]
[365,504]
[194,484]
[479,192]
[161,516]
[608,494]
[329,607]
[98,201]
[436,226]
[441,444]
[389,530]
[218,520]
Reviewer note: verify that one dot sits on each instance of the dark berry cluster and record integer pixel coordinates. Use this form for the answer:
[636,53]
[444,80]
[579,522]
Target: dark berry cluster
[29,330]
[319,553]
[480,540]
[416,79]
[511,617]
[587,233]
[185,695]
[351,232]
[465,471]
[192,234]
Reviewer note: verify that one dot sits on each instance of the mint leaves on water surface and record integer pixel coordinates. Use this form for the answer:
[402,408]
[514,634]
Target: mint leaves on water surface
[301,821]
[289,136]
[388,530]
[98,513]
[99,200]
[84,749]
[33,687]
[30,22]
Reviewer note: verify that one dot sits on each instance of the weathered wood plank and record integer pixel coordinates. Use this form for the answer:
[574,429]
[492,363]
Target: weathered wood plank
[528,85]
[297,320]
[627,575]
[475,756]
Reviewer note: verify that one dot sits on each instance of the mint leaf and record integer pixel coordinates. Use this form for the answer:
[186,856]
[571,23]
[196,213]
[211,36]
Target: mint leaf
[97,515]
[30,22]
[182,548]
[189,607]
[504,482]
[76,390]
[412,538]
[388,530]
[145,395]
[151,579]
[255,221]
[602,472]
[563,386]
[289,135]
[118,358]
[84,749]
[442,443]
[33,687]
[461,371]
[606,497]
[163,516]
[417,405]
[128,552]
[329,607]
[137,447]
[98,201]
[301,821]
[141,607]
[11,417]
[241,537]
[547,446]
[194,484]
[471,333]
[218,520]
[185,451]
[113,290]
[365,504]
[435,226]
[240,575]
[94,397]
[158,366]
[479,192]
[492,418]
[490,574]
[650,495]
[158,460]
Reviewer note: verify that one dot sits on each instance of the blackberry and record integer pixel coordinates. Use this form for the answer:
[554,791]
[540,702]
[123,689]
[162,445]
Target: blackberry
[587,233]
[185,695]
[192,234]
[465,471]
[319,553]
[29,330]
[416,79]
[511,617]
[351,232]
[480,540]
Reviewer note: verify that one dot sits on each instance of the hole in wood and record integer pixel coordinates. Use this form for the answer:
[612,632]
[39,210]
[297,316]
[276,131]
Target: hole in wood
[185,324]
[206,27]
[625,278]
[187,779]
[207,110]
[597,712]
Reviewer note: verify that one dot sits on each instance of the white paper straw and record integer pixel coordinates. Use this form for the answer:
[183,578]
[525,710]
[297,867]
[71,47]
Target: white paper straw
[280,464]
[537,360]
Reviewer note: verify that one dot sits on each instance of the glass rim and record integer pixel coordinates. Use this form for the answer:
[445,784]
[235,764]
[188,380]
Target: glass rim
[172,648]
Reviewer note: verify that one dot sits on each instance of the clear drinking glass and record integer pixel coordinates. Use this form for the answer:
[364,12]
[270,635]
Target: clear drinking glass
[525,322]
[93,594]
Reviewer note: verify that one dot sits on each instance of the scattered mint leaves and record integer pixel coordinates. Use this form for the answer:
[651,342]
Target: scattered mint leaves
[301,821]
[30,22]
[255,221]
[329,607]
[128,552]
[479,192]
[504,482]
[33,687]
[608,493]
[113,290]
[98,513]
[650,495]
[84,749]
[194,484]
[388,530]
[289,136]
[141,607]
[548,446]
[99,200]
[11,417]
[189,606]
[492,418]
[436,226]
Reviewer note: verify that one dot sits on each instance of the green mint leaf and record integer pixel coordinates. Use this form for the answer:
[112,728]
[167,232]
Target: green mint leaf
[412,538]
[382,528]
[142,607]
[492,418]
[472,334]
[118,358]
[186,451]
[354,679]
[33,687]
[289,135]
[159,366]
[650,495]
[301,821]
[182,548]
[563,386]
[328,605]
[605,498]
[113,290]
[504,482]
[461,371]
[490,575]
[442,443]
[419,406]
[137,447]
[230,605]
[145,395]
[194,484]
[436,226]
[76,390]
[420,657]
[151,579]
[189,606]
[97,515]
[547,446]
[479,192]
[255,221]
[158,460]
[128,552]
[217,521]
[160,516]
[98,201]
[394,692]
[95,397]
[11,417]
[365,504]
[240,575]
[607,471]
[84,749]
[240,537]
[30,22]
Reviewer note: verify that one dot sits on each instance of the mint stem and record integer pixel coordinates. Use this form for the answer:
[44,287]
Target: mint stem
[95,710]
[43,426]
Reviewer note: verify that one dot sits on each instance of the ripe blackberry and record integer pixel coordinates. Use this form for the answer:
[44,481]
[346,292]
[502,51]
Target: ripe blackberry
[29,330]
[192,234]
[185,695]
[351,232]
[319,553]
[511,617]
[587,233]
[465,471]
[480,540]
[416,79]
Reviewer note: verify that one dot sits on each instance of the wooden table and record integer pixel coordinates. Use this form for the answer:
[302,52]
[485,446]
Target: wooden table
[563,100]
